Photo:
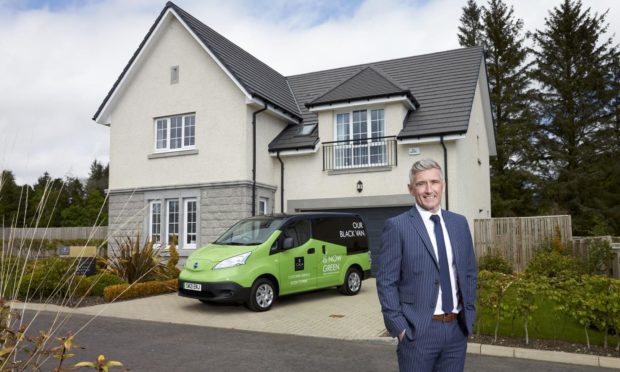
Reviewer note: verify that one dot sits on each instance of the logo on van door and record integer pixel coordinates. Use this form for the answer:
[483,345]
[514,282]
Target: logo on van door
[299,263]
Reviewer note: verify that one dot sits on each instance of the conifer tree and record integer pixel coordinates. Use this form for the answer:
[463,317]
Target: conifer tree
[578,95]
[470,31]
[496,27]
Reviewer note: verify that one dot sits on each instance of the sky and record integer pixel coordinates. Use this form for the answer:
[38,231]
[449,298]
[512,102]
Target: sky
[59,58]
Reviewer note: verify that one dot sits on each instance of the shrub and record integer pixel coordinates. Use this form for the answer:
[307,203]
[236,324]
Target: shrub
[128,291]
[495,262]
[100,281]
[599,258]
[172,271]
[135,264]
[47,277]
[80,286]
[553,265]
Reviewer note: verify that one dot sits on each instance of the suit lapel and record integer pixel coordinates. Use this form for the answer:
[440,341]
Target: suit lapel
[418,224]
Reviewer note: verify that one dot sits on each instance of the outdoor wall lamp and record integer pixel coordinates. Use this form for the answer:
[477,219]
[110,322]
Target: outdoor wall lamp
[360,186]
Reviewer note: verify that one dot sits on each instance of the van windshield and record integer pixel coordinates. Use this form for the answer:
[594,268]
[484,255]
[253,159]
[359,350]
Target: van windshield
[250,232]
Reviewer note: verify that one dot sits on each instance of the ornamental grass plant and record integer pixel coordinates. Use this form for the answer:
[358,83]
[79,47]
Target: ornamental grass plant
[26,274]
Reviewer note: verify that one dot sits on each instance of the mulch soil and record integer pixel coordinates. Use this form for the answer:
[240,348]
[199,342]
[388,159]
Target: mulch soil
[551,345]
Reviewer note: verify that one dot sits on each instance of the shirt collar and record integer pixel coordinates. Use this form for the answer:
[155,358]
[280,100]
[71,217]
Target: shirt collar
[426,215]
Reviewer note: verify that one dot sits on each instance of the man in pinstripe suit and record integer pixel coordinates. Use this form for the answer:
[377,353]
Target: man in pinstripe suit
[427,278]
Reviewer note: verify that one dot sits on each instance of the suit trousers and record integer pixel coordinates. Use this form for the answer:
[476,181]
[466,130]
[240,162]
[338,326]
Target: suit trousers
[441,348]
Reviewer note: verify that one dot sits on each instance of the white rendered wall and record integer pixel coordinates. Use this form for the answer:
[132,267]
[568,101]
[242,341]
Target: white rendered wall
[203,88]
[472,188]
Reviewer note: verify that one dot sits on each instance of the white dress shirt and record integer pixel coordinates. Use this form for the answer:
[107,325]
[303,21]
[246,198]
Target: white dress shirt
[430,228]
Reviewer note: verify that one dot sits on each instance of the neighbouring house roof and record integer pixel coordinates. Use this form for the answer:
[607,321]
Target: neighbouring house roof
[440,85]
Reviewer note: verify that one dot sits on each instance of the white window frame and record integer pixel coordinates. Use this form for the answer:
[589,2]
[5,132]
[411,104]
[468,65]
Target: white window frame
[263,205]
[151,232]
[359,155]
[186,222]
[168,220]
[163,138]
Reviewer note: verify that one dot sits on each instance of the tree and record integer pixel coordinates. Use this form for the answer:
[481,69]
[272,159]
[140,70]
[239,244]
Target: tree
[575,68]
[98,177]
[471,31]
[495,27]
[42,204]
[96,187]
[10,195]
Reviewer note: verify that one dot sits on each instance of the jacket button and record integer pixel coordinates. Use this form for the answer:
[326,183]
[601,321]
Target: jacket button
[436,282]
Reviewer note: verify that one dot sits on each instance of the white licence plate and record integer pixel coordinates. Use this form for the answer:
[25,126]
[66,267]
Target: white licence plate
[192,286]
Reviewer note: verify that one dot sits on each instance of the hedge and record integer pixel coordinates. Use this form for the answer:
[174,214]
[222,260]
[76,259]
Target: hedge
[128,291]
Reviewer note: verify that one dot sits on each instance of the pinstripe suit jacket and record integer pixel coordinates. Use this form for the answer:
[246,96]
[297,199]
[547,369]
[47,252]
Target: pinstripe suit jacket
[408,276]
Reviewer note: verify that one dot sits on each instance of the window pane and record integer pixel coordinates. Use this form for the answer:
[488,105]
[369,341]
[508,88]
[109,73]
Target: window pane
[190,131]
[360,125]
[342,150]
[173,219]
[377,123]
[156,222]
[176,133]
[342,127]
[262,206]
[162,134]
[190,222]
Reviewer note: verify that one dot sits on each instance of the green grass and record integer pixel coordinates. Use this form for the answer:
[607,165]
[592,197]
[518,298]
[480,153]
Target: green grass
[546,323]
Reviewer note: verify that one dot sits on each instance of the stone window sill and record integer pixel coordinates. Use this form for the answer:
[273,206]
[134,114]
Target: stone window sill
[172,153]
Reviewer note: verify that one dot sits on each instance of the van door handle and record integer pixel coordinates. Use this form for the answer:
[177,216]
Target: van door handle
[323,249]
[311,251]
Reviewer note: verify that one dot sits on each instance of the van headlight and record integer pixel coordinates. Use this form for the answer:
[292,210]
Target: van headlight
[233,261]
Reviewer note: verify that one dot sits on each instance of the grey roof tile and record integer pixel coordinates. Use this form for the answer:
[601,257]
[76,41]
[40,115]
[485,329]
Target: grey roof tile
[367,83]
[444,84]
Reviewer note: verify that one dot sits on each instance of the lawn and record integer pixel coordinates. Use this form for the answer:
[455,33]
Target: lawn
[546,323]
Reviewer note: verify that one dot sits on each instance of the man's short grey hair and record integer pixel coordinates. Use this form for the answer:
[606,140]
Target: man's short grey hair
[423,165]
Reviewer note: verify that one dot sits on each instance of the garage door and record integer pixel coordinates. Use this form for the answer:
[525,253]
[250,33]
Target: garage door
[374,219]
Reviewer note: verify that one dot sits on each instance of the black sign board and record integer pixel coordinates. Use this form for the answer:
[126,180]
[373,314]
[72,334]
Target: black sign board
[86,266]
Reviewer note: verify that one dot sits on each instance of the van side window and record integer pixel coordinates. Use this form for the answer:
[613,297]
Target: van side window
[299,231]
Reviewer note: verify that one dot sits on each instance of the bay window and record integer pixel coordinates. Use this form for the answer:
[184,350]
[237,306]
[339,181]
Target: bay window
[179,217]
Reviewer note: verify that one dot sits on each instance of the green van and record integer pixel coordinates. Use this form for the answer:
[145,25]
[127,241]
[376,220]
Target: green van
[261,258]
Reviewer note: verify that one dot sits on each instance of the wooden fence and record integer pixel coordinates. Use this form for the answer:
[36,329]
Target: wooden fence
[517,238]
[63,233]
[582,244]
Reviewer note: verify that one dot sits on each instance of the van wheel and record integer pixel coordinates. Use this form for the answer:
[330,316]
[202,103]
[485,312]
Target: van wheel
[262,295]
[352,282]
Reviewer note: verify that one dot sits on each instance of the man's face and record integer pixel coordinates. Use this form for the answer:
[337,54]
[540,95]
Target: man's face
[427,188]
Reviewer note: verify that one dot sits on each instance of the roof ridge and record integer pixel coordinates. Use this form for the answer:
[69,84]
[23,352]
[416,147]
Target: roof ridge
[386,61]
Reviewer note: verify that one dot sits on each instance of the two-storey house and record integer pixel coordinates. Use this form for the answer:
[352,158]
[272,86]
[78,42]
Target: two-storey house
[202,134]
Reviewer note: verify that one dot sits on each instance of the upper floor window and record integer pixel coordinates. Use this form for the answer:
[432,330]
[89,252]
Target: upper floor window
[360,139]
[175,133]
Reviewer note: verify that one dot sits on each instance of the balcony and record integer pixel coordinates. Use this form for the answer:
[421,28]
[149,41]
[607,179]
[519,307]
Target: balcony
[378,152]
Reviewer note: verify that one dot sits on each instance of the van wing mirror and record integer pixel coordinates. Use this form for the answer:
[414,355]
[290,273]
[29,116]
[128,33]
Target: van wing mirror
[287,243]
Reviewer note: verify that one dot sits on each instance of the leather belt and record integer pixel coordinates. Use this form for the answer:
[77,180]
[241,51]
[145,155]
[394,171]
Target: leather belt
[445,317]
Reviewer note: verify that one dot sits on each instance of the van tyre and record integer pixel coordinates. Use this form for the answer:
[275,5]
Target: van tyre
[352,282]
[262,295]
